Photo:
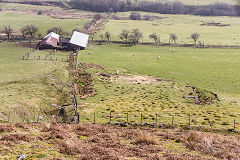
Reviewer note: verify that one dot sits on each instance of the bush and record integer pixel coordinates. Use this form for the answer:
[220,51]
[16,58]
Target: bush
[135,16]
[145,138]
[40,12]
[98,17]
[115,17]
[147,17]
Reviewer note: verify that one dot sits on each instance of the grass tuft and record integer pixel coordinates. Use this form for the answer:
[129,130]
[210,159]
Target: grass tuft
[146,138]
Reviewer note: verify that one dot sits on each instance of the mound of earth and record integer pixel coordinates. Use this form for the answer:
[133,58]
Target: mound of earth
[202,96]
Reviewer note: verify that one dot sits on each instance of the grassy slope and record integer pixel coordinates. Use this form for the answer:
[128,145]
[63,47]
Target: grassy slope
[17,21]
[212,69]
[182,25]
[25,85]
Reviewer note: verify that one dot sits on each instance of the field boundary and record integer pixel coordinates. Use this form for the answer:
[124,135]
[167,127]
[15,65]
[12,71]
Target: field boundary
[114,120]
[206,45]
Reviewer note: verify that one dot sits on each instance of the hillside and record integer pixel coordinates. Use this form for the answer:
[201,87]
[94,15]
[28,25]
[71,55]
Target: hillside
[91,142]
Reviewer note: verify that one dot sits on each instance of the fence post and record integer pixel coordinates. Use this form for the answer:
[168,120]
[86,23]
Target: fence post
[172,119]
[210,123]
[94,119]
[110,117]
[9,116]
[141,118]
[234,123]
[23,117]
[189,120]
[156,120]
[78,118]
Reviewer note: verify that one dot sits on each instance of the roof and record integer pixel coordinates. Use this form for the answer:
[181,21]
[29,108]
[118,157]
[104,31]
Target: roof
[50,39]
[51,34]
[79,39]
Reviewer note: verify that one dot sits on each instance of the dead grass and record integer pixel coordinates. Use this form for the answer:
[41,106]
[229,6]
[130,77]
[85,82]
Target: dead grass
[69,147]
[146,138]
[21,125]
[116,143]
[219,146]
[57,131]
[16,137]
[6,128]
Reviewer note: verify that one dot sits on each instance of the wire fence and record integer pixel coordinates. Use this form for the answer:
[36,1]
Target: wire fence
[126,118]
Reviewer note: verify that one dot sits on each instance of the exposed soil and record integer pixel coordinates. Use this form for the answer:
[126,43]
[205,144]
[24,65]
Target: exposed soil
[136,79]
[84,85]
[203,97]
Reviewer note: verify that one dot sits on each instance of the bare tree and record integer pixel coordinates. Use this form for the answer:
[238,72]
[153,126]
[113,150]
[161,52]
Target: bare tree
[8,31]
[107,35]
[155,37]
[195,37]
[135,36]
[173,37]
[24,32]
[124,35]
[31,31]
[101,38]
[58,30]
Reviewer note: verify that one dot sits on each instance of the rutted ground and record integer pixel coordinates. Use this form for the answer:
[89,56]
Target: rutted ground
[91,141]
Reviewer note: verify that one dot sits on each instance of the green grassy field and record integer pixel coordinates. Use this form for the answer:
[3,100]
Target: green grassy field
[25,84]
[212,69]
[182,25]
[19,20]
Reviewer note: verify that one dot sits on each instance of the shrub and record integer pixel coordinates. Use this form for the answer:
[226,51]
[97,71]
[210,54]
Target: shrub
[135,16]
[16,137]
[145,138]
[40,12]
[98,17]
[147,17]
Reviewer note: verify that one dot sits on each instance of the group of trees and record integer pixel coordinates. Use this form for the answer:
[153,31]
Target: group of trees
[31,32]
[164,7]
[135,35]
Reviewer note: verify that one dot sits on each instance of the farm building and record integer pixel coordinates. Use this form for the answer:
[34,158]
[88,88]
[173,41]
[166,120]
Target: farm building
[50,41]
[79,40]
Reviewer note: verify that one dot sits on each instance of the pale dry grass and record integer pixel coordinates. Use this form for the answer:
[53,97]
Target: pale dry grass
[146,138]
[219,146]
